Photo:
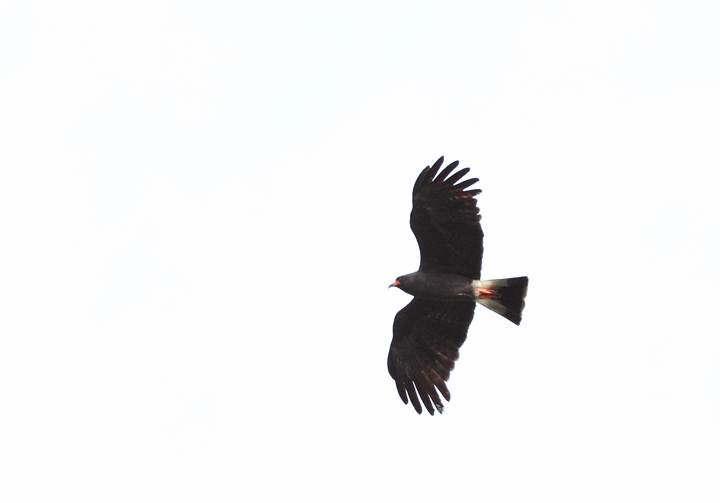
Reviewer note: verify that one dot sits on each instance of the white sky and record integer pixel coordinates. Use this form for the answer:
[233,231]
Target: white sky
[202,205]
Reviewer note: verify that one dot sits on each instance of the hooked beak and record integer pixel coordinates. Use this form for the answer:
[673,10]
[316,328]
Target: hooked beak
[395,283]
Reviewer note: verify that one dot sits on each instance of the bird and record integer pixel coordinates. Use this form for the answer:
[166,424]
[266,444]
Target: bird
[429,331]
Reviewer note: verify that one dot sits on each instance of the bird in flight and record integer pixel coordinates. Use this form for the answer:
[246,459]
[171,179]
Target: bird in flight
[428,332]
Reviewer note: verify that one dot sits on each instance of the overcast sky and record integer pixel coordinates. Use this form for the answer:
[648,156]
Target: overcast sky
[202,205]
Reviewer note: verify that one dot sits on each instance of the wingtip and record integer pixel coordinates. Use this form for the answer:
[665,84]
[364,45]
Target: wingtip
[445,172]
[427,173]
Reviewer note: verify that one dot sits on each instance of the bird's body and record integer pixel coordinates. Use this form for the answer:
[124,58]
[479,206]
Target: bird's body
[437,286]
[428,332]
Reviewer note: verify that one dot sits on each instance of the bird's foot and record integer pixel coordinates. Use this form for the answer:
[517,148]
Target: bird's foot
[486,293]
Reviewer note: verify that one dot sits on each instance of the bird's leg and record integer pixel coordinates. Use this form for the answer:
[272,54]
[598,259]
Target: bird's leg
[486,293]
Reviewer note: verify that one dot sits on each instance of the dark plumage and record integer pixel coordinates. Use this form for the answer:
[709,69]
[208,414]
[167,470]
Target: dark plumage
[429,331]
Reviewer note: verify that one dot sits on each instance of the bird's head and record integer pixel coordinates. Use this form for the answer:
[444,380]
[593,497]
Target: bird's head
[408,283]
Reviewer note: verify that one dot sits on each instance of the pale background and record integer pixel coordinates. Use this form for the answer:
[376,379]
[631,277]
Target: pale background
[202,205]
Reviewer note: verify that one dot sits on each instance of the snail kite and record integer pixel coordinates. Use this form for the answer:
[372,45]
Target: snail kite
[428,332]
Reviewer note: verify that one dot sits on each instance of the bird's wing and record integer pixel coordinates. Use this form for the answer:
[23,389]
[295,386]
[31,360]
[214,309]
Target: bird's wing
[446,221]
[427,335]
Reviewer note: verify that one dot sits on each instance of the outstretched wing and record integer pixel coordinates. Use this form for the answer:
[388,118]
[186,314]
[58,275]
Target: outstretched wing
[427,335]
[446,221]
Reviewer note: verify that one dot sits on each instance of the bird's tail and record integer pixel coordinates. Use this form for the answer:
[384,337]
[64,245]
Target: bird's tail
[504,296]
